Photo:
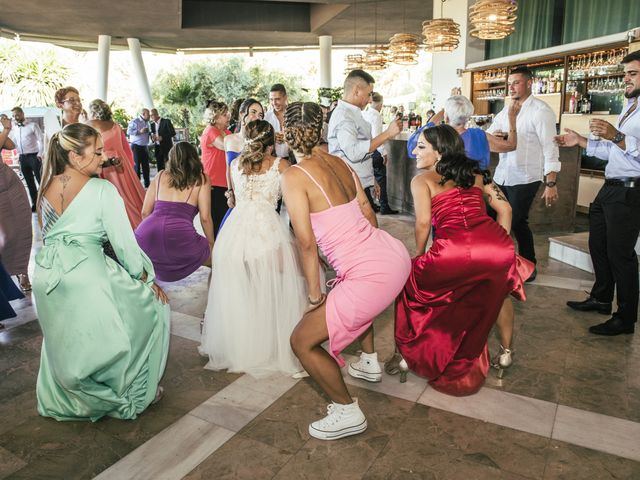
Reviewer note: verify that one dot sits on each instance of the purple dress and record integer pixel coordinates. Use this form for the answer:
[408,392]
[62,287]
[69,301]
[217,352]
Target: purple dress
[170,240]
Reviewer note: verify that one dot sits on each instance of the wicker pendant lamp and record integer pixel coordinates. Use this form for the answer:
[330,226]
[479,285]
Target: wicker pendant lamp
[441,34]
[492,19]
[403,47]
[376,57]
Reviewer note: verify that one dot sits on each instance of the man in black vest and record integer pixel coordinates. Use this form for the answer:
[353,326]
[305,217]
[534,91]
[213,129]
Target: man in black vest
[162,133]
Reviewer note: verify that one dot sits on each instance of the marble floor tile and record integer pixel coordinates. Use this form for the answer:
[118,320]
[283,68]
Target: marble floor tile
[274,385]
[233,407]
[185,326]
[171,454]
[598,432]
[543,280]
[241,458]
[9,463]
[500,408]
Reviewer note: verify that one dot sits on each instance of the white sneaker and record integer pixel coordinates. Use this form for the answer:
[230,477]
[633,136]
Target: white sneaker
[367,368]
[341,421]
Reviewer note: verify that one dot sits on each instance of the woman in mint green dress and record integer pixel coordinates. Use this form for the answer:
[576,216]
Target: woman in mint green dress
[105,324]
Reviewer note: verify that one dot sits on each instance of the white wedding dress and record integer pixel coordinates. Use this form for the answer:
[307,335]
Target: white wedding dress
[257,293]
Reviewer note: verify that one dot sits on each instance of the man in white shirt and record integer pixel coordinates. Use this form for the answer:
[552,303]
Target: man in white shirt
[379,157]
[350,134]
[27,138]
[279,101]
[520,172]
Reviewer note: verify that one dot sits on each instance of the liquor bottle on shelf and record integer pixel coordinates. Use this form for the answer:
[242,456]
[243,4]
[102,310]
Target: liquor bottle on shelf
[551,85]
[418,121]
[572,103]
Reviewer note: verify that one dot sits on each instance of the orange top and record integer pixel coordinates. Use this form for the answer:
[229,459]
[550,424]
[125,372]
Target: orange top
[213,159]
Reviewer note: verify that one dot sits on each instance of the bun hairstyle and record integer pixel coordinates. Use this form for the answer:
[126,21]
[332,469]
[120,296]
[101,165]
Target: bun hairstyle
[214,110]
[259,136]
[74,137]
[454,164]
[303,126]
[100,110]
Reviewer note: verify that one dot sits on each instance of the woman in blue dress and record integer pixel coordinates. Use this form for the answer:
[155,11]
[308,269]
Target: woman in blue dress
[250,110]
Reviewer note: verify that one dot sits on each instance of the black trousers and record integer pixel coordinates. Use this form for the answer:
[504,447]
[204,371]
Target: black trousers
[614,224]
[31,168]
[141,160]
[219,207]
[520,198]
[161,152]
[380,174]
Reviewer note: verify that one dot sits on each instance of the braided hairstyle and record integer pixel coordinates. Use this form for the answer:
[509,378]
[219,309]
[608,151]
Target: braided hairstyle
[259,136]
[454,163]
[303,126]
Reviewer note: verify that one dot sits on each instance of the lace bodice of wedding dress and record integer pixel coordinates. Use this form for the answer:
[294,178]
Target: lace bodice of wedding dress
[264,187]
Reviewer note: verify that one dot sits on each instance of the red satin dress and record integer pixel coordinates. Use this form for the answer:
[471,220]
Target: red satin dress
[454,293]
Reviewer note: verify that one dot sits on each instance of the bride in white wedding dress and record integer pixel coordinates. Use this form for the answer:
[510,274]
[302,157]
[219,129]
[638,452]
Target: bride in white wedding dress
[257,293]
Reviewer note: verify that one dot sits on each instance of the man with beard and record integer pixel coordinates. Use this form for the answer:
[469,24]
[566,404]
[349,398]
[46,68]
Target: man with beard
[614,222]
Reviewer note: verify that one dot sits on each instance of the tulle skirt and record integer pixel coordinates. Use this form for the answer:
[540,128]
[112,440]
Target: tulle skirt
[257,294]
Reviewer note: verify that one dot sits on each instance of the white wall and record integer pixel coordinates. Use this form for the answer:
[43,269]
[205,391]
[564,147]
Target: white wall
[446,64]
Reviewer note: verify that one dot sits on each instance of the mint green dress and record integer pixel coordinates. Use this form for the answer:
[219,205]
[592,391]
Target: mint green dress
[106,336]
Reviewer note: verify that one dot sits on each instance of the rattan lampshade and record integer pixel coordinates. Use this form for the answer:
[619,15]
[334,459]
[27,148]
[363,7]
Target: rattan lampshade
[354,62]
[376,57]
[403,48]
[492,19]
[441,35]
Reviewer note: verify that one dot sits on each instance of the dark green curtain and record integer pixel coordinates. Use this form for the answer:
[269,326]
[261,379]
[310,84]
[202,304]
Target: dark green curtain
[534,29]
[594,18]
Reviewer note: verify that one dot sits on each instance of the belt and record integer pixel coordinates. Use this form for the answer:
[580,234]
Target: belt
[629,182]
[27,154]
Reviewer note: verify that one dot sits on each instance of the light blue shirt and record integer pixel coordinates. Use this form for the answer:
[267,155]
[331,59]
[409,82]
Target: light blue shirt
[349,138]
[135,135]
[622,163]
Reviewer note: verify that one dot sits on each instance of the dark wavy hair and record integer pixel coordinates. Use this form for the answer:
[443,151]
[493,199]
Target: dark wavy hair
[454,164]
[259,135]
[184,166]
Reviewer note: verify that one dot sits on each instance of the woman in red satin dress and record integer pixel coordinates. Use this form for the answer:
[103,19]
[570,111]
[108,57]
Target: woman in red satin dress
[456,289]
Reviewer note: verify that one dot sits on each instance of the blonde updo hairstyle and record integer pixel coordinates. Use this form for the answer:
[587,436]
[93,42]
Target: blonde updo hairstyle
[74,137]
[213,111]
[100,110]
[259,136]
[303,126]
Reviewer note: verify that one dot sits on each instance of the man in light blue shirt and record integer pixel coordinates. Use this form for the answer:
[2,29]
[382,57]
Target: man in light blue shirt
[138,132]
[349,134]
[614,218]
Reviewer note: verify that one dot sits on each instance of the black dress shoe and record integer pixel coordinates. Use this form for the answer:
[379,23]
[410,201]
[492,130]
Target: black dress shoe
[533,276]
[591,305]
[614,326]
[388,211]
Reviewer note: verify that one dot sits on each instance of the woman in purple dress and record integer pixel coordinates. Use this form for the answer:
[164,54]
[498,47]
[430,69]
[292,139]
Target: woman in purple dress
[167,234]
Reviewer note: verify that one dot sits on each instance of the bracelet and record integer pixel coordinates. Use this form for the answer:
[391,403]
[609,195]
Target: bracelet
[319,301]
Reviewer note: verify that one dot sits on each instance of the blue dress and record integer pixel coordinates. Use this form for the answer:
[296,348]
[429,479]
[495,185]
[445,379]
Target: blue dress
[231,156]
[8,292]
[476,146]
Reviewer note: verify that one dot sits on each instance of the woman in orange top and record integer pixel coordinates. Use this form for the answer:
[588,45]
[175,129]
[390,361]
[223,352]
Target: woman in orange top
[214,161]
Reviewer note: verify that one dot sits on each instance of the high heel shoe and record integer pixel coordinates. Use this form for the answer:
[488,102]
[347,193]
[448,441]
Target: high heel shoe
[23,280]
[404,369]
[502,361]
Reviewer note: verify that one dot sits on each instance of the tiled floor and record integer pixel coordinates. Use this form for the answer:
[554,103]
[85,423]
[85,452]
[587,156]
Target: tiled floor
[569,408]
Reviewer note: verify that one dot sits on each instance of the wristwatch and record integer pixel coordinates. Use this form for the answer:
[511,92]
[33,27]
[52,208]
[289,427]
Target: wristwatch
[618,137]
[550,184]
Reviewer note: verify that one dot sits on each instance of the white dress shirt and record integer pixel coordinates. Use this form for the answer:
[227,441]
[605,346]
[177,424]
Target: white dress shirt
[28,138]
[622,163]
[282,149]
[350,138]
[374,117]
[537,153]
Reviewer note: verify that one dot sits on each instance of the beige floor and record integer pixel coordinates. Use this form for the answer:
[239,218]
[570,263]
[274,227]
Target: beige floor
[569,408]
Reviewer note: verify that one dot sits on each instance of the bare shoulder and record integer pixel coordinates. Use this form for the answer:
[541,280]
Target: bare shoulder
[420,180]
[283,165]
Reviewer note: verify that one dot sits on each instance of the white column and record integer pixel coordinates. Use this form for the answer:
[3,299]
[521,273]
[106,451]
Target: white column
[104,45]
[140,72]
[446,64]
[325,60]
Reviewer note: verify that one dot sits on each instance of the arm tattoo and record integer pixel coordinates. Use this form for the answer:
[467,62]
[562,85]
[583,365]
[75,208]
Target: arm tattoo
[65,181]
[498,192]
[487,198]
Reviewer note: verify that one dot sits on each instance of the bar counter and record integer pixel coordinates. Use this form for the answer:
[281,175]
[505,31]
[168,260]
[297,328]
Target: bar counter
[558,218]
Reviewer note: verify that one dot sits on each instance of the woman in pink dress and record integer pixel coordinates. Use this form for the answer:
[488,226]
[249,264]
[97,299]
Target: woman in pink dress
[121,173]
[328,208]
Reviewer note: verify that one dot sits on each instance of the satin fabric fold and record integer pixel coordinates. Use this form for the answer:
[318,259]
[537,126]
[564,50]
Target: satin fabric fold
[454,294]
